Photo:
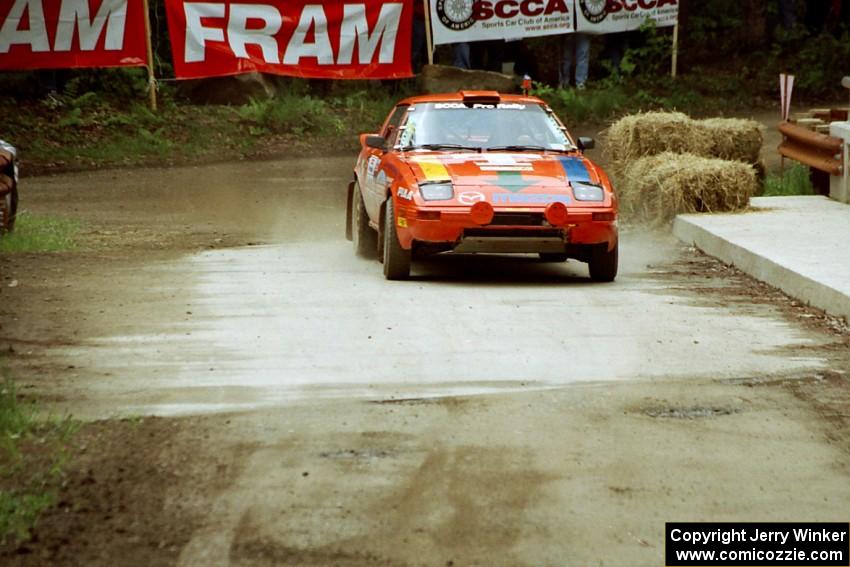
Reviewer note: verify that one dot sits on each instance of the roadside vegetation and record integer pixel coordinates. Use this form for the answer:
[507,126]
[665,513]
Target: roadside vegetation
[84,119]
[69,132]
[33,455]
[39,233]
[793,181]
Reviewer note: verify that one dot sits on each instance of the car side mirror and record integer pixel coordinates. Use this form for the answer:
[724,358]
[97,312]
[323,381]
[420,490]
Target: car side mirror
[586,143]
[375,141]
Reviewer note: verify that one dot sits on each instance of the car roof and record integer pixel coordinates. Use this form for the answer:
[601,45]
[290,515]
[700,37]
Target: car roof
[460,96]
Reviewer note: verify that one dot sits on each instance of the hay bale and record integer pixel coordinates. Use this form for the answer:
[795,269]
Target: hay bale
[657,188]
[734,139]
[651,133]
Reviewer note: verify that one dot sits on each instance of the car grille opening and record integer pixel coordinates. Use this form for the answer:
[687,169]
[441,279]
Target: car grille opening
[517,219]
[514,233]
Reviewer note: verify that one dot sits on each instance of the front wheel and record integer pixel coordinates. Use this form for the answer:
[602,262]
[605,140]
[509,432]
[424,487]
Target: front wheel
[603,263]
[365,239]
[396,258]
[8,204]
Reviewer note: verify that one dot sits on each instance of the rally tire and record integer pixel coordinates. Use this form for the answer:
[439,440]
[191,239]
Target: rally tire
[365,239]
[349,210]
[8,205]
[396,258]
[603,263]
[553,256]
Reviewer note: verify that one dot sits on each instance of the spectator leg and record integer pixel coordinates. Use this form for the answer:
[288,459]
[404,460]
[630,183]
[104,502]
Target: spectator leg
[566,67]
[788,13]
[461,55]
[582,58]
[419,49]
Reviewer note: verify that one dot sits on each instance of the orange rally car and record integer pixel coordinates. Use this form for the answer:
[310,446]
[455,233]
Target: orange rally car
[480,172]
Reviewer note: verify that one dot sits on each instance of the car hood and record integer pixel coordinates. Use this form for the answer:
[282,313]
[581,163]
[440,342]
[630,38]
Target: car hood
[509,171]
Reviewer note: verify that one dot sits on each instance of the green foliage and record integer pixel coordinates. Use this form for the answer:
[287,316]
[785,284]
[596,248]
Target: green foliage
[15,421]
[40,234]
[591,104]
[19,512]
[27,480]
[714,29]
[609,99]
[794,181]
[291,114]
[123,83]
[651,56]
[363,110]
[814,63]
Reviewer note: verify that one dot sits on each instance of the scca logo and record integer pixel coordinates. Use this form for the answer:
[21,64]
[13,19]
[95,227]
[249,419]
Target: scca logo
[594,11]
[459,15]
[455,14]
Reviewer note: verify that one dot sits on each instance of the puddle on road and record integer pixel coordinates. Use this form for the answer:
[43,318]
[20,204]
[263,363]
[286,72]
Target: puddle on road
[692,412]
[272,325]
[356,454]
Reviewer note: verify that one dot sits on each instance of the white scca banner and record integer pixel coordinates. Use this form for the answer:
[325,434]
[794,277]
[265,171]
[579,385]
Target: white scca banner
[477,20]
[609,16]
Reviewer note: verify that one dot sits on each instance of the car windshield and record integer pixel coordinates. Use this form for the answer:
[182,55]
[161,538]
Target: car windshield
[456,125]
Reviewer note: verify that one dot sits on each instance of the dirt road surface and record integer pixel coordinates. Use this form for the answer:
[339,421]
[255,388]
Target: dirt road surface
[256,395]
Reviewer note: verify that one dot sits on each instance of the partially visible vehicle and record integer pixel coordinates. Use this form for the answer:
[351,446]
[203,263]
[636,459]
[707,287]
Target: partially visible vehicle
[8,186]
[480,172]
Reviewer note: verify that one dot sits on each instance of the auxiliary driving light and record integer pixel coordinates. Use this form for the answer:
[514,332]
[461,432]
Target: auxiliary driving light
[481,213]
[556,214]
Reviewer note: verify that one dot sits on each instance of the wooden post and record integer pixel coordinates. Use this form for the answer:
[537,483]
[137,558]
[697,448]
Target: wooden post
[429,40]
[151,76]
[675,64]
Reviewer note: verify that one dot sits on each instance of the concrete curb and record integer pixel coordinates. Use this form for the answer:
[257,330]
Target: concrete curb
[794,283]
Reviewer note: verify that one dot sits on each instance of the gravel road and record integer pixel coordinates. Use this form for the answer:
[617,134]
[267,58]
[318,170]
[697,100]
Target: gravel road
[491,411]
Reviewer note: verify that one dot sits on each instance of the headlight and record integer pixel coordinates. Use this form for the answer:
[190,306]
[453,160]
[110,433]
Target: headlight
[588,192]
[437,191]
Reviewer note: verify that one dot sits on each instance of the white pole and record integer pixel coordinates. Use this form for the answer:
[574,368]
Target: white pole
[675,65]
[151,77]
[428,39]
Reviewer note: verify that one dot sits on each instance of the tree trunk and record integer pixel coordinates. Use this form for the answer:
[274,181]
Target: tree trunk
[754,33]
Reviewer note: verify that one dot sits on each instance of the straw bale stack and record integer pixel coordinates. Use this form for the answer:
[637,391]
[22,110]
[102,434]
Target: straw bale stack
[657,188]
[652,133]
[734,139]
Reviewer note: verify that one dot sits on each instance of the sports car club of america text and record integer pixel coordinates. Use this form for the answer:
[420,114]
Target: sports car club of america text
[483,10]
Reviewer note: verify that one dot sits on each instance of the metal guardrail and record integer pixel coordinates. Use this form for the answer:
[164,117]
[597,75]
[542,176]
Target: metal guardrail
[818,151]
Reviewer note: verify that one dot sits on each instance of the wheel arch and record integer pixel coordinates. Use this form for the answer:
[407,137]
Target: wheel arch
[349,209]
[382,213]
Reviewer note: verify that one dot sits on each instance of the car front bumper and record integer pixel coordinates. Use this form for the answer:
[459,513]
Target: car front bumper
[513,230]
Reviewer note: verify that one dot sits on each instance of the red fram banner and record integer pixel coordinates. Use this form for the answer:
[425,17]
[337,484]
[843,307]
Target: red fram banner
[335,39]
[48,34]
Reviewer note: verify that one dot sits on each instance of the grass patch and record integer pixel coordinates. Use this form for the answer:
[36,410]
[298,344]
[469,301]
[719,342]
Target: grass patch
[579,106]
[794,181]
[40,234]
[32,458]
[290,114]
[72,133]
[612,98]
[79,130]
